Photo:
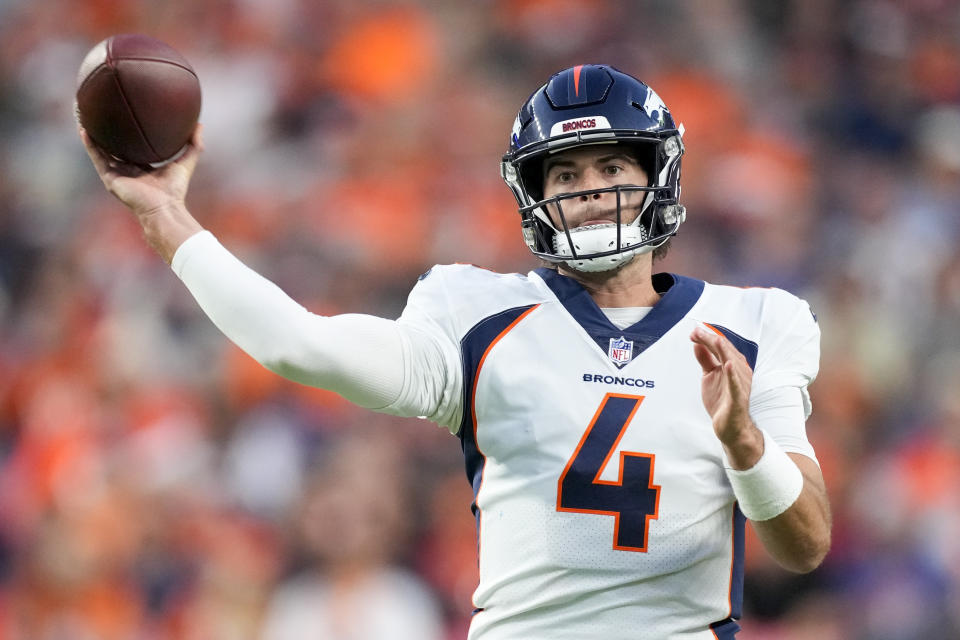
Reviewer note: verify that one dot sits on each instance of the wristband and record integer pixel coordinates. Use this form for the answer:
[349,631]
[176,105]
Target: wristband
[769,487]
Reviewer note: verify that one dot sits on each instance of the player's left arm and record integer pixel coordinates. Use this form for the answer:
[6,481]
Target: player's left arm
[799,538]
[783,494]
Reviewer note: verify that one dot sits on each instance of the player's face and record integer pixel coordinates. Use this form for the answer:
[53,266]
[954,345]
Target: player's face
[588,168]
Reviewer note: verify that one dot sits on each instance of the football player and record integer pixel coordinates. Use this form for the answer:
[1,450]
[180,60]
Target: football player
[618,426]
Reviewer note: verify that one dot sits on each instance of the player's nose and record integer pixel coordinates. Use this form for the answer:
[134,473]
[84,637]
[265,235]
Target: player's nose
[591,196]
[592,180]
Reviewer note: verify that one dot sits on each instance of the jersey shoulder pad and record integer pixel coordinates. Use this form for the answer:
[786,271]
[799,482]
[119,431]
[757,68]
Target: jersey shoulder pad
[458,296]
[781,325]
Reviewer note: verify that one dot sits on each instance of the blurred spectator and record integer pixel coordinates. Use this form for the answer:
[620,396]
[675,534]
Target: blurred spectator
[352,522]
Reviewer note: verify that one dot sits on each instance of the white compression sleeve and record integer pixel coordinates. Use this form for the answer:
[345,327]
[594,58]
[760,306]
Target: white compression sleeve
[368,360]
[780,412]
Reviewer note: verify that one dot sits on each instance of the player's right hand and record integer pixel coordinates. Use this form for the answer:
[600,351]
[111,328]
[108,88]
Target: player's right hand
[143,191]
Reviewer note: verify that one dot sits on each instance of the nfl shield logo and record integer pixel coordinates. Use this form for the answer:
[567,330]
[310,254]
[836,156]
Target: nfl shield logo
[621,350]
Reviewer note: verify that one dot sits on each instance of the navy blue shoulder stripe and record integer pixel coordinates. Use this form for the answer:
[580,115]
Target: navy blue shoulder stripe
[748,348]
[473,346]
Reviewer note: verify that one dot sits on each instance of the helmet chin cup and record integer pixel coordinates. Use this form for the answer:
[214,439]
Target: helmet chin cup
[600,239]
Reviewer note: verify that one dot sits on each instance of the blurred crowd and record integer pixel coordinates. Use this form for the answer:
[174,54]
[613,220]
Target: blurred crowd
[157,484]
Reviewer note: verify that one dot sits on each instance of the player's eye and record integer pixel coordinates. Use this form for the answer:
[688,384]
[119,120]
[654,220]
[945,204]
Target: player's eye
[564,177]
[613,169]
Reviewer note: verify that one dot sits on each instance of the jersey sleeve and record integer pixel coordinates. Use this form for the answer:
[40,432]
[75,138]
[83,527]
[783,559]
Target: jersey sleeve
[788,361]
[789,354]
[436,383]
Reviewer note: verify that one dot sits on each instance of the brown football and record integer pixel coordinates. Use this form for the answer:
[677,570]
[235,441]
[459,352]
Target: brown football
[138,99]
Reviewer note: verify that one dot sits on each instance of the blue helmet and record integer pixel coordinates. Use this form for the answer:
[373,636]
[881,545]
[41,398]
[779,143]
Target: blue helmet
[589,105]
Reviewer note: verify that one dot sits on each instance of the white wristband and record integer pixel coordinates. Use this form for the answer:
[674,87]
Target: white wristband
[769,487]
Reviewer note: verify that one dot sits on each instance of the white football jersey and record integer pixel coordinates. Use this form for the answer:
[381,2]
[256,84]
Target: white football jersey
[602,505]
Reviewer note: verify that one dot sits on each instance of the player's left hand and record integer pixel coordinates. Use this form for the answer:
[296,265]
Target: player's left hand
[725,389]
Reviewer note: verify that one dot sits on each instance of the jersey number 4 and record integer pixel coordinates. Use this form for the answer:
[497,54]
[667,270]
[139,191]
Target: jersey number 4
[633,500]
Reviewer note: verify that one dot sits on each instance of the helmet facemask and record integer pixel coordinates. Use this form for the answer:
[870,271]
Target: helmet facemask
[603,247]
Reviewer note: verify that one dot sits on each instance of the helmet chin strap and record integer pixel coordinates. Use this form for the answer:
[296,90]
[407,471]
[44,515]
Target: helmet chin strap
[599,238]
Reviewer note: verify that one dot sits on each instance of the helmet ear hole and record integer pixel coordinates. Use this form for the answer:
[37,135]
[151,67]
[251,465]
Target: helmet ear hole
[531,178]
[646,157]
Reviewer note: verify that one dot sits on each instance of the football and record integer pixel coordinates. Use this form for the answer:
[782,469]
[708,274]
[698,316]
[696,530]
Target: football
[138,99]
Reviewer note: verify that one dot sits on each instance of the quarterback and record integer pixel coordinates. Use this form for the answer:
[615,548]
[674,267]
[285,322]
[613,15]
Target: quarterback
[619,426]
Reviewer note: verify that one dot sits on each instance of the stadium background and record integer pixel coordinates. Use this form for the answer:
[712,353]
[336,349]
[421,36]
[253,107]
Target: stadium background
[155,483]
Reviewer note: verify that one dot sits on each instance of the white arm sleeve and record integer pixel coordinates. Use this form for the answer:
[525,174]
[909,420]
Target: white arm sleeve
[373,362]
[780,412]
